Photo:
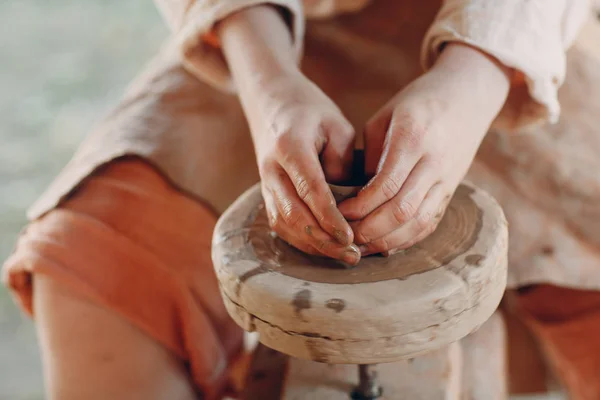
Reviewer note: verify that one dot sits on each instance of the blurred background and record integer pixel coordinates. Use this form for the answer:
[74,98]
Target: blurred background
[63,64]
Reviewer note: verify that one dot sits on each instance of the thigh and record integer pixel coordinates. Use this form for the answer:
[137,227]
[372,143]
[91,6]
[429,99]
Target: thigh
[90,352]
[125,300]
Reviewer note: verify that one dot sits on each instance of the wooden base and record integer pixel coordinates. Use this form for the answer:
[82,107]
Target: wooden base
[474,368]
[384,309]
[434,376]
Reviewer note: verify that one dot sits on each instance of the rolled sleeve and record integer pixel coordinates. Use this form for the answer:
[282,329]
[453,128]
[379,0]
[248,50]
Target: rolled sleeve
[193,22]
[530,36]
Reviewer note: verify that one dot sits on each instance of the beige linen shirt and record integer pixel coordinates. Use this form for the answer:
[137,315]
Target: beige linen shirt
[530,36]
[181,115]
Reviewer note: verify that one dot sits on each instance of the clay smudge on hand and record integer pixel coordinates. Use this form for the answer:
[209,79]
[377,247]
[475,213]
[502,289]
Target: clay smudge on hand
[309,230]
[340,236]
[350,255]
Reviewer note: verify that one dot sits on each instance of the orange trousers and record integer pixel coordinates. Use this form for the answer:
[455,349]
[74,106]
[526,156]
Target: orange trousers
[566,324]
[131,242]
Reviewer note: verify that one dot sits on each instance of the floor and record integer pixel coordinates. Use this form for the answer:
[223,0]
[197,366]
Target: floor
[64,63]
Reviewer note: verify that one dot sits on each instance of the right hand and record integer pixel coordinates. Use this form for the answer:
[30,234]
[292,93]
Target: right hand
[302,140]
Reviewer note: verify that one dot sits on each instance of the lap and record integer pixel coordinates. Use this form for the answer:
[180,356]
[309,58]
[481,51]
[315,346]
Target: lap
[92,353]
[134,252]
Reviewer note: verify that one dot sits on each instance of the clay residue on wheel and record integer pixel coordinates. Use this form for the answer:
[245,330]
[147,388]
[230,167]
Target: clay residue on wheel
[457,233]
[301,302]
[336,305]
[474,259]
[261,269]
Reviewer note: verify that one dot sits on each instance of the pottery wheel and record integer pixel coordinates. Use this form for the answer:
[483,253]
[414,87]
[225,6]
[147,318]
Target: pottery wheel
[383,309]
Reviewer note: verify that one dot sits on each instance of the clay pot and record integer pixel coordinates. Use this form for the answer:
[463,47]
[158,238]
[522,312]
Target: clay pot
[349,188]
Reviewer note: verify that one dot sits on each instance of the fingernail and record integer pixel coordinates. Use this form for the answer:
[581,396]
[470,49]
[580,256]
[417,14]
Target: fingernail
[351,255]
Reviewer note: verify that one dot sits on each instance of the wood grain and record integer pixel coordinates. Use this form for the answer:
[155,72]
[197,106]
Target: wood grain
[383,310]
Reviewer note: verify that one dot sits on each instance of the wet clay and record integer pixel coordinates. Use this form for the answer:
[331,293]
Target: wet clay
[350,187]
[336,305]
[301,301]
[474,259]
[358,175]
[455,235]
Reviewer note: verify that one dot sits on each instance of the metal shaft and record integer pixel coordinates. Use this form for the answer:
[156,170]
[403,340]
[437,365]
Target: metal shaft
[368,387]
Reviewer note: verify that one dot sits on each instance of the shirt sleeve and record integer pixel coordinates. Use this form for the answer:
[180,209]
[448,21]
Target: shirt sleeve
[530,36]
[193,21]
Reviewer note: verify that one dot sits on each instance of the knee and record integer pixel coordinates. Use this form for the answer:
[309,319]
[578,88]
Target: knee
[91,352]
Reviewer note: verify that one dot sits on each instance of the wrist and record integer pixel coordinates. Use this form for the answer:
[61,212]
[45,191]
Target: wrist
[484,73]
[474,75]
[257,45]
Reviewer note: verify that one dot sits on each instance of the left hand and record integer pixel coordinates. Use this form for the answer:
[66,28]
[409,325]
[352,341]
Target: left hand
[420,145]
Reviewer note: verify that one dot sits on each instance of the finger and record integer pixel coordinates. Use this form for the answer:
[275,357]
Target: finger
[288,236]
[338,151]
[400,209]
[402,149]
[374,137]
[417,239]
[430,214]
[425,222]
[274,213]
[350,255]
[306,175]
[390,241]
[321,247]
[294,222]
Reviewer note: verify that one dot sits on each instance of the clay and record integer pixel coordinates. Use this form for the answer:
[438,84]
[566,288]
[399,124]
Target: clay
[301,301]
[358,178]
[435,251]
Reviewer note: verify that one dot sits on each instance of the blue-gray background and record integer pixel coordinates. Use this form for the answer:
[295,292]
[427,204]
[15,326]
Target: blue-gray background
[63,64]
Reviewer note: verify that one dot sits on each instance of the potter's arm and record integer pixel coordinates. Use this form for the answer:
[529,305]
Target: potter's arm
[299,134]
[193,24]
[193,21]
[258,48]
[529,36]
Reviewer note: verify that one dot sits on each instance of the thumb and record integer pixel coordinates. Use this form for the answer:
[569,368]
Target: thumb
[375,133]
[337,154]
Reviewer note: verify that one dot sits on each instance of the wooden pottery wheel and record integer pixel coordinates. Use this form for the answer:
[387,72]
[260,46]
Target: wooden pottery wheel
[382,310]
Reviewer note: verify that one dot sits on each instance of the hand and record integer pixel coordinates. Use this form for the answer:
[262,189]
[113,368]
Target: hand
[293,123]
[302,140]
[420,145]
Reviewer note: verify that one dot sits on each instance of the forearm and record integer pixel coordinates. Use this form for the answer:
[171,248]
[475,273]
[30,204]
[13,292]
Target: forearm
[487,79]
[257,45]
